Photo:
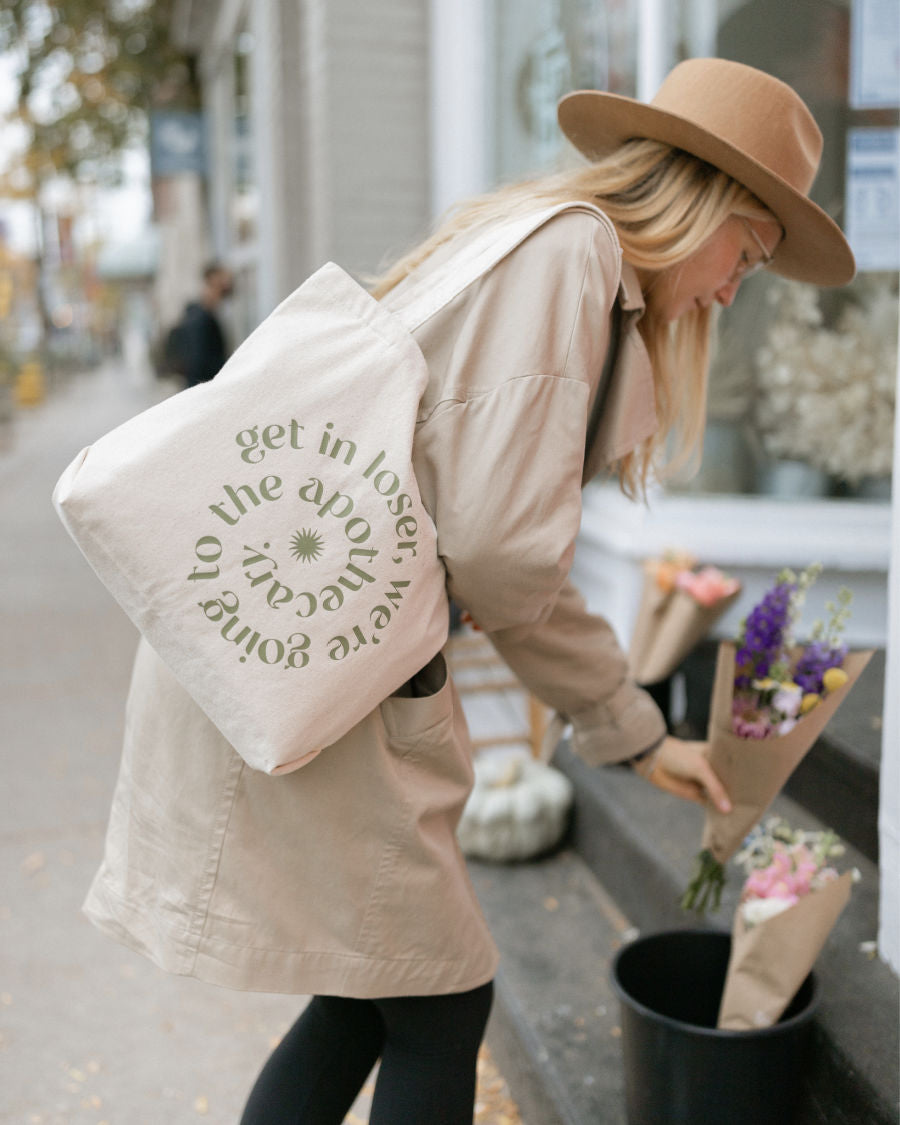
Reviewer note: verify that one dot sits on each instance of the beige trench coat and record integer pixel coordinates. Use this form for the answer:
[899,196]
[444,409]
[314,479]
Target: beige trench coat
[345,877]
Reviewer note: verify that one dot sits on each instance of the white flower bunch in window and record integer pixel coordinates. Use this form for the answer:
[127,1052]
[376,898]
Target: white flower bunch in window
[826,395]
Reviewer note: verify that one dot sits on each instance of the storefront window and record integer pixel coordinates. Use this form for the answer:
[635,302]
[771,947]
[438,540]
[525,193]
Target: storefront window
[245,197]
[543,49]
[803,383]
[802,388]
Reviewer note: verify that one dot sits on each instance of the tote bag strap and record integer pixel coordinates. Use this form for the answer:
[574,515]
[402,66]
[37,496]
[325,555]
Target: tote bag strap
[438,289]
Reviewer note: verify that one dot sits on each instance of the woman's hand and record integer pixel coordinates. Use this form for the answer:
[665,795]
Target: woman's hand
[682,768]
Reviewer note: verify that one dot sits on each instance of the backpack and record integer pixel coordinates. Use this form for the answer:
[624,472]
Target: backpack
[168,351]
[175,348]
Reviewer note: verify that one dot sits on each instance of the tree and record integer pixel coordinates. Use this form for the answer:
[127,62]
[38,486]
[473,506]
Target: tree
[88,74]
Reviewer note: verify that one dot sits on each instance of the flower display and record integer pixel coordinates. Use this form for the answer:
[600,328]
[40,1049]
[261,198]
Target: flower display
[680,602]
[667,571]
[791,899]
[826,394]
[771,700]
[707,586]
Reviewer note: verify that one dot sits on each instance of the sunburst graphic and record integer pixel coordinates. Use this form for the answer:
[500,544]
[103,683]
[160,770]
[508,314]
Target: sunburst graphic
[306,545]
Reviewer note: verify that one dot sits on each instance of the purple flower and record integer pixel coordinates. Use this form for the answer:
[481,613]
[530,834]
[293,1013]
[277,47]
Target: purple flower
[765,634]
[817,658]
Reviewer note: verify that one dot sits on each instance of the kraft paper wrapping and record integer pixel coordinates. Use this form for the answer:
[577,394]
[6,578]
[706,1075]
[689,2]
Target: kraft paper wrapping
[669,625]
[753,770]
[769,961]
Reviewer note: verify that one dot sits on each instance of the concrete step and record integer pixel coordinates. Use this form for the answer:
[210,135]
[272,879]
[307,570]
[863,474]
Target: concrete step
[639,844]
[555,1032]
[554,1029]
[559,921]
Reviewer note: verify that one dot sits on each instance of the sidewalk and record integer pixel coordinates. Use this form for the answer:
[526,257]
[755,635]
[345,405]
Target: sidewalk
[90,1032]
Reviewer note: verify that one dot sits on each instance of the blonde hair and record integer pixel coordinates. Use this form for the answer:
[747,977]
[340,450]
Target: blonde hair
[664,204]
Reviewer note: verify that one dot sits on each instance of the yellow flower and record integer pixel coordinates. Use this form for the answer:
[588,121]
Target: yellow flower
[834,678]
[808,702]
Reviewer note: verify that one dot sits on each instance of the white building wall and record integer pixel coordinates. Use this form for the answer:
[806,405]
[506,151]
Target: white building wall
[889,814]
[268,78]
[459,99]
[340,109]
[374,105]
[183,245]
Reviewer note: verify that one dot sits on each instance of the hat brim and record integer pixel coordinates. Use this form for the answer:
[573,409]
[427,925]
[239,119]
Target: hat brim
[813,249]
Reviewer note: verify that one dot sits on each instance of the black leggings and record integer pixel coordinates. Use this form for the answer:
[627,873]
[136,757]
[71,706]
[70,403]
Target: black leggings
[428,1047]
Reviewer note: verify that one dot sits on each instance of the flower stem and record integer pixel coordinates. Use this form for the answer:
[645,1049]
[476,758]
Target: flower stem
[704,892]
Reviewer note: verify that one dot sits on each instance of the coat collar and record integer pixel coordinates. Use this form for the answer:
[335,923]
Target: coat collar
[630,297]
[629,409]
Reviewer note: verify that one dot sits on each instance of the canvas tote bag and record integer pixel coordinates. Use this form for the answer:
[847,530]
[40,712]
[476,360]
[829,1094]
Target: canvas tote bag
[265,532]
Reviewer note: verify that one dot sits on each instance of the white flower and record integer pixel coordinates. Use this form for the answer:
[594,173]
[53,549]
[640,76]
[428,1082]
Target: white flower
[756,910]
[787,700]
[826,395]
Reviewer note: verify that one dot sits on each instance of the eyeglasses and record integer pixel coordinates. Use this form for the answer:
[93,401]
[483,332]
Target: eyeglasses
[745,267]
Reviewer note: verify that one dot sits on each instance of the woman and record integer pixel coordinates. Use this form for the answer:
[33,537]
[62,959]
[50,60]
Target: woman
[581,352]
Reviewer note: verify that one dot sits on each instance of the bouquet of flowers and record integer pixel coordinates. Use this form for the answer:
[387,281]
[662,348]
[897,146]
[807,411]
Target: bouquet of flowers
[826,394]
[680,603]
[791,899]
[771,700]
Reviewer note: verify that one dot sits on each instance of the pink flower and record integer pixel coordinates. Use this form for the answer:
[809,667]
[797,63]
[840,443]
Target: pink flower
[782,867]
[748,721]
[782,860]
[799,882]
[791,874]
[707,586]
[758,884]
[751,728]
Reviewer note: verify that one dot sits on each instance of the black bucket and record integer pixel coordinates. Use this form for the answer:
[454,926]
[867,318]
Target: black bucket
[680,1069]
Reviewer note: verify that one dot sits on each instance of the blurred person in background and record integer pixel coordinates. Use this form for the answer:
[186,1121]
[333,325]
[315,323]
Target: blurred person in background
[195,347]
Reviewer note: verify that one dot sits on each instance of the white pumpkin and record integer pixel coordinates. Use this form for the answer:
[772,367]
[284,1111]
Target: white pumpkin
[518,808]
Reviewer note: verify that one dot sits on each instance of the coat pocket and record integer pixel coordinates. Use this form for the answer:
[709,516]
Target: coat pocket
[422,707]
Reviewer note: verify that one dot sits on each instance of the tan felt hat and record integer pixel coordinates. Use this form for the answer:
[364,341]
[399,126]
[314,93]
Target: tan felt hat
[746,123]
